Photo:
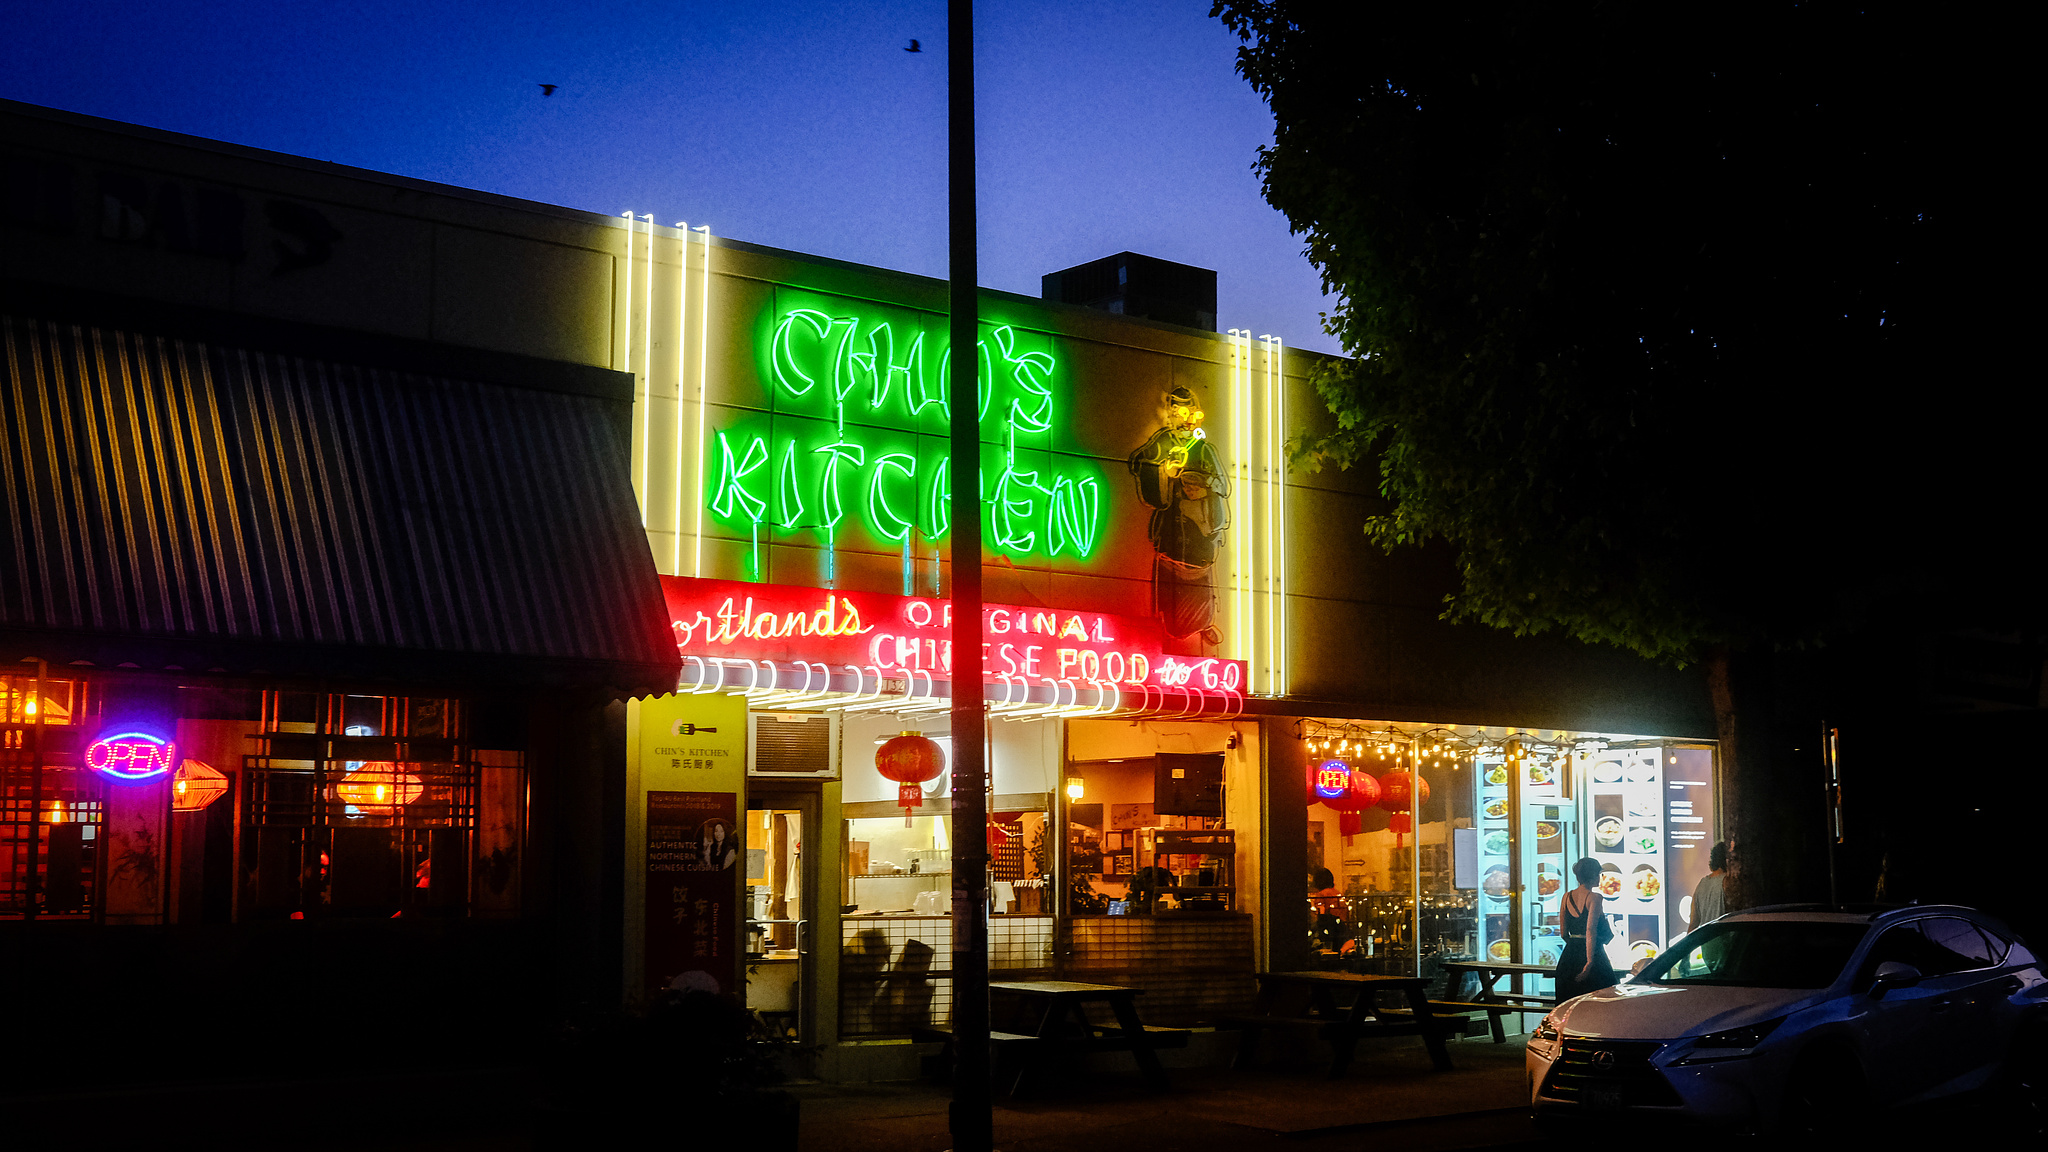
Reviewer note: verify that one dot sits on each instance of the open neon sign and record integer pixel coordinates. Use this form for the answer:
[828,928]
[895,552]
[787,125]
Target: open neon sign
[848,395]
[131,756]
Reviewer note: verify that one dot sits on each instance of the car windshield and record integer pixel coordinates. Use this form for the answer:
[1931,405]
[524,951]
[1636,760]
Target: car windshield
[1759,954]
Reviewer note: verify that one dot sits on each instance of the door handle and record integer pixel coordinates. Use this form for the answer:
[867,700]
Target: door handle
[801,951]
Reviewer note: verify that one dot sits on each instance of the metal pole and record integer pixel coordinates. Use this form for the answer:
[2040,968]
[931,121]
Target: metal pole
[1830,752]
[971,1123]
[33,889]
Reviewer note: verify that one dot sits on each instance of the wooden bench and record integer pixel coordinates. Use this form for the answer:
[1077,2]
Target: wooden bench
[1284,995]
[1494,1011]
[1064,1030]
[1007,1051]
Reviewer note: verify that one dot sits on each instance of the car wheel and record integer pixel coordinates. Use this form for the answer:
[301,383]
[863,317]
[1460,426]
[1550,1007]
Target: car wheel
[1824,1097]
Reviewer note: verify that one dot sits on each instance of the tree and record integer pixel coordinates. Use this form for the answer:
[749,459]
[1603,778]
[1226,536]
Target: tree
[1624,289]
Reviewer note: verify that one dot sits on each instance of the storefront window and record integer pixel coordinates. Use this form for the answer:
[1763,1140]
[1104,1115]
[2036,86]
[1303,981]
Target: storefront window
[52,809]
[1478,873]
[1146,836]
[373,806]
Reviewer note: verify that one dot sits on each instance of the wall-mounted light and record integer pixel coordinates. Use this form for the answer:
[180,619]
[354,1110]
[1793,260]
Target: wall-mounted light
[1074,790]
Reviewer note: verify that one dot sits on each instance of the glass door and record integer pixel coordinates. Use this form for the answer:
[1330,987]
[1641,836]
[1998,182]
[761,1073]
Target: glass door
[1547,846]
[780,896]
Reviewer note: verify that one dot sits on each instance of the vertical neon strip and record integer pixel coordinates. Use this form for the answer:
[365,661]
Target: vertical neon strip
[703,391]
[1272,472]
[1248,647]
[1237,440]
[683,378]
[1280,442]
[626,355]
[647,368]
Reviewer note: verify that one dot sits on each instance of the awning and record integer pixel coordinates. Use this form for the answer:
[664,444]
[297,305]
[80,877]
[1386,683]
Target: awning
[193,506]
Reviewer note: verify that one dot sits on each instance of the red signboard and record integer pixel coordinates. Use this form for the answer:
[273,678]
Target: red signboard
[693,847]
[908,638]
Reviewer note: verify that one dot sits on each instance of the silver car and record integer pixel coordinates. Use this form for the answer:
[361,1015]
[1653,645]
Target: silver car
[1802,1017]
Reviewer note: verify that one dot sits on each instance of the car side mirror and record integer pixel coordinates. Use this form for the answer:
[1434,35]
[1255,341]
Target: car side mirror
[1893,974]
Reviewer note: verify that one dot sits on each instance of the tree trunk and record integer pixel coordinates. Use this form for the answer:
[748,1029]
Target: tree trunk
[1728,728]
[1769,813]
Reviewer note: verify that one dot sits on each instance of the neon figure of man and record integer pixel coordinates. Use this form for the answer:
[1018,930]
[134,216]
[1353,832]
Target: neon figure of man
[1180,478]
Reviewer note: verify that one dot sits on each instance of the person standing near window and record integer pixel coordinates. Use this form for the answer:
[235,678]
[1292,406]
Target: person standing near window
[1709,897]
[1582,919]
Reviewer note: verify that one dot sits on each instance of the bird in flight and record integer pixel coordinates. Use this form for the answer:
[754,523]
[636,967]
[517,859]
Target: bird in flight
[548,89]
[914,47]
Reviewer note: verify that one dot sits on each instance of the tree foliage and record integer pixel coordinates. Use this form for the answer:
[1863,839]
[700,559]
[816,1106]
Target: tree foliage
[1626,289]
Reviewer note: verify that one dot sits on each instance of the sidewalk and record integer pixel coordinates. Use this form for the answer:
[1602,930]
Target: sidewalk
[1481,1103]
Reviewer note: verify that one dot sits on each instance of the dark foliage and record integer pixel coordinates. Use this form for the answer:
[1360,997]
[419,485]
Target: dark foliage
[1642,297]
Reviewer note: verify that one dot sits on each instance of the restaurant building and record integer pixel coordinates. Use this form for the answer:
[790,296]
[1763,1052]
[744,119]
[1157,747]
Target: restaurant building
[653,526]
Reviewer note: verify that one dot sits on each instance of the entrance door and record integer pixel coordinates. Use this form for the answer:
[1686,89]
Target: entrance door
[782,885]
[1549,841]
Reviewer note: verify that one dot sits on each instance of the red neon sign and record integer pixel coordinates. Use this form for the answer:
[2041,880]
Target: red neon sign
[909,637]
[132,756]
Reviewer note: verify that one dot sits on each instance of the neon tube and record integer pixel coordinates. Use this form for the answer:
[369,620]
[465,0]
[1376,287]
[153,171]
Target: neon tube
[703,384]
[1272,470]
[683,343]
[626,353]
[1247,538]
[1280,568]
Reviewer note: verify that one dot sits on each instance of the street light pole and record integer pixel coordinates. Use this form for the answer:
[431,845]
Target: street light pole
[971,1123]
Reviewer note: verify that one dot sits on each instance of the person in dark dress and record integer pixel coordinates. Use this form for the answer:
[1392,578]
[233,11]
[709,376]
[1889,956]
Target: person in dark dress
[1581,914]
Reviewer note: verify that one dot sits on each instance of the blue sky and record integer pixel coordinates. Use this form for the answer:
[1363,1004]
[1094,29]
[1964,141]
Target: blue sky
[1103,126]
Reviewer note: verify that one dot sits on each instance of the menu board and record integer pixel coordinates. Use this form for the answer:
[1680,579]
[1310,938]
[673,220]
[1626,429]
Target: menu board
[1492,865]
[1689,824]
[1625,833]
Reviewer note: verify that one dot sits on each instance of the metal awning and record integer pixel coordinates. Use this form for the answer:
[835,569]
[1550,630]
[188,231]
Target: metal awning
[208,508]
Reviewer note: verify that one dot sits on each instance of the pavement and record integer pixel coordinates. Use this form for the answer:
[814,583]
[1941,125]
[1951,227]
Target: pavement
[1391,1093]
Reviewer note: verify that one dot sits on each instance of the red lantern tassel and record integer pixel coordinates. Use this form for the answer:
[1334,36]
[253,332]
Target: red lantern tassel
[909,796]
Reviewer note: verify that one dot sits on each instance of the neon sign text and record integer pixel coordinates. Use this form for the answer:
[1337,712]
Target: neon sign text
[1333,779]
[744,622]
[908,637]
[806,470]
[132,756]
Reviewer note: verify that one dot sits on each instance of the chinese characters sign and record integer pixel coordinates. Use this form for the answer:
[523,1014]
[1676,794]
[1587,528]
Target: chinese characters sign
[691,756]
[692,941]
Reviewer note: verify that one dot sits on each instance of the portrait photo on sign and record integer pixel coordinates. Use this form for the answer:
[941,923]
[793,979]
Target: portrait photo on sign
[717,847]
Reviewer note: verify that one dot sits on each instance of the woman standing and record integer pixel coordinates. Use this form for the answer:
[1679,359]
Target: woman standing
[1582,918]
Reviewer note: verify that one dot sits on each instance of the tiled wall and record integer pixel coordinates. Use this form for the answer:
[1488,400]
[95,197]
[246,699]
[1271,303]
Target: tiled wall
[895,973]
[1193,969]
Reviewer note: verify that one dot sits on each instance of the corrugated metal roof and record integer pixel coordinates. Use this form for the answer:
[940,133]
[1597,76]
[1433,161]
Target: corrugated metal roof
[255,510]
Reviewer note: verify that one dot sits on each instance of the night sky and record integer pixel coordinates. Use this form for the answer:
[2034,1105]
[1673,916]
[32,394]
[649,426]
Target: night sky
[807,126]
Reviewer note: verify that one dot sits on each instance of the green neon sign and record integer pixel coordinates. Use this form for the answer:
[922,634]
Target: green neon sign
[854,442]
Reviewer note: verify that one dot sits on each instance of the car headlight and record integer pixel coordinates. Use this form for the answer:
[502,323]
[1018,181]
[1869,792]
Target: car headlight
[1731,1044]
[1545,1038]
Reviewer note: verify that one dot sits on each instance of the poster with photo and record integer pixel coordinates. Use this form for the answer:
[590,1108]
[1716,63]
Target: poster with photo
[692,850]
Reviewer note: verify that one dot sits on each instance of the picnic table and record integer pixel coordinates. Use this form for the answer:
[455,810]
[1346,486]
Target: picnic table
[1036,1020]
[1344,1008]
[1489,999]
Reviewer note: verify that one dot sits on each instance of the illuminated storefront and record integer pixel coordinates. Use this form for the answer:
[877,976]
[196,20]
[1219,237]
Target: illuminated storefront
[437,503]
[1169,611]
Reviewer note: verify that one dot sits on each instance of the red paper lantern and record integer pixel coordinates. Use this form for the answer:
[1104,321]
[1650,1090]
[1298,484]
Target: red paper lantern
[911,760]
[1396,789]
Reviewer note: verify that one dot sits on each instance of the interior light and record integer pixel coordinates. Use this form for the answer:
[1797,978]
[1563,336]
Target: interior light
[1074,790]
